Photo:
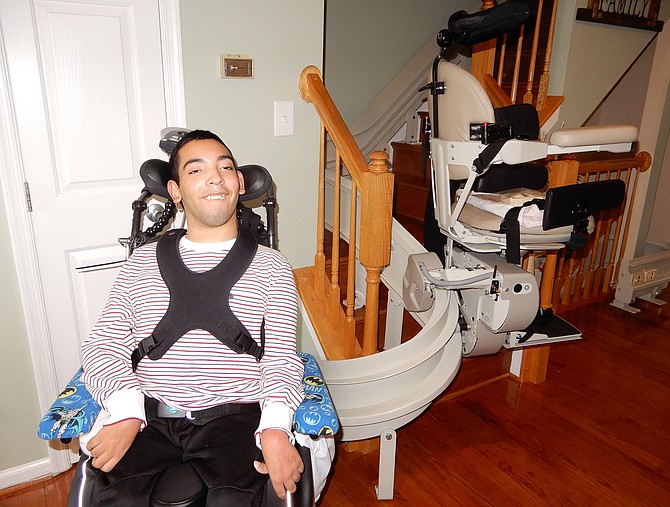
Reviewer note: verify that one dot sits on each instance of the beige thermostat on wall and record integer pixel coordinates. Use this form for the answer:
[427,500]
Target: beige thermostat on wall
[236,66]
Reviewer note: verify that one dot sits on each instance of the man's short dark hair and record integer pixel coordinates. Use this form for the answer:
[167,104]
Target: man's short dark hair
[193,135]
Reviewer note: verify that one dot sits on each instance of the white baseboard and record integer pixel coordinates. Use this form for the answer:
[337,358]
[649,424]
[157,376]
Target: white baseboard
[25,473]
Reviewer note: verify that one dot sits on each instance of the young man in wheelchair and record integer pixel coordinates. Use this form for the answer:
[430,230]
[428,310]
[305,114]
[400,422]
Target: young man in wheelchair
[222,378]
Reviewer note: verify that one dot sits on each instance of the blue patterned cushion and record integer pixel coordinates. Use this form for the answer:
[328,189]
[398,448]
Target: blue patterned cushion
[316,415]
[75,410]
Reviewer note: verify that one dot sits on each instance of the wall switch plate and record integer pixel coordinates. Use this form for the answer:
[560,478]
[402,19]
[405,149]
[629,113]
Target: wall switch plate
[240,66]
[284,119]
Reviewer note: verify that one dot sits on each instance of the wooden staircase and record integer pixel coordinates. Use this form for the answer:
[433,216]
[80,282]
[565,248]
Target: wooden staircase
[321,290]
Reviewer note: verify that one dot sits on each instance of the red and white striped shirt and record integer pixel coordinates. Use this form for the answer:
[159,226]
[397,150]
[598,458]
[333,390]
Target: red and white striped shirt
[198,371]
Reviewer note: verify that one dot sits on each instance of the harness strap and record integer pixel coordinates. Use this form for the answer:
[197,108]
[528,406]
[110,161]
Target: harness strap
[487,155]
[200,300]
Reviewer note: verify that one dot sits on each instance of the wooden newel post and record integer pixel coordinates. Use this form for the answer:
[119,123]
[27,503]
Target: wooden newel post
[375,252]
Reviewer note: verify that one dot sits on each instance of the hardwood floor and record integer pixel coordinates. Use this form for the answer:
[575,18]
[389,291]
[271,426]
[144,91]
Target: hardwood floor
[41,493]
[595,433]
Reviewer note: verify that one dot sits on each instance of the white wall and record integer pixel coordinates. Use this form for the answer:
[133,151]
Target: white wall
[282,38]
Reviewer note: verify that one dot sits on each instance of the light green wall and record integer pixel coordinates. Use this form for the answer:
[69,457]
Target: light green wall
[282,38]
[19,410]
[369,42]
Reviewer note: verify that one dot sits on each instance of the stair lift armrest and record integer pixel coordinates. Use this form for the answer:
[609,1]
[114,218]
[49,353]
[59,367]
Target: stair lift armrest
[611,138]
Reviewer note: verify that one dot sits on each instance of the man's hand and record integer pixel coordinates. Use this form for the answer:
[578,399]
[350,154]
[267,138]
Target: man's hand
[112,442]
[282,462]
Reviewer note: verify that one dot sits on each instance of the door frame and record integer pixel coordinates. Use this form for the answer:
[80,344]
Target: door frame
[19,221]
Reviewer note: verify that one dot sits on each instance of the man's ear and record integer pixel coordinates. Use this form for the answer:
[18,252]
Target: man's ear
[240,177]
[173,190]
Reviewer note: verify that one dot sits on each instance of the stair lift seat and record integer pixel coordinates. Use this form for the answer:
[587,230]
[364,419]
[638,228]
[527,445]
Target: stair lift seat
[475,216]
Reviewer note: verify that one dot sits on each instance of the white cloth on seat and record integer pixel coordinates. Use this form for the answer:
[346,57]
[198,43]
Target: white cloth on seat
[322,453]
[500,203]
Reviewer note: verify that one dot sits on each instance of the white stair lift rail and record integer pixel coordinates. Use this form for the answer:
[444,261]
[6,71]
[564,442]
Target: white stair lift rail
[377,394]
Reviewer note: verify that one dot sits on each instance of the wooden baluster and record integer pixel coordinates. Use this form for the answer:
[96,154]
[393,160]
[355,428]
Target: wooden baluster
[517,66]
[569,279]
[560,278]
[544,78]
[375,254]
[617,245]
[320,257]
[600,266]
[608,218]
[600,285]
[501,60]
[351,348]
[580,274]
[334,307]
[589,276]
[528,96]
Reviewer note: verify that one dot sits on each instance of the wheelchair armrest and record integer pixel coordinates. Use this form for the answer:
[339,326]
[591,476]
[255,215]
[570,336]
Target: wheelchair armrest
[72,413]
[75,410]
[316,415]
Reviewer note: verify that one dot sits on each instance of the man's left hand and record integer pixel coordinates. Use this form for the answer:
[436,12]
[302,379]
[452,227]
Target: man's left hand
[282,461]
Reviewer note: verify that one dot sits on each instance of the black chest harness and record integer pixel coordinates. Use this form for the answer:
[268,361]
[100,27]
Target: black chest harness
[200,300]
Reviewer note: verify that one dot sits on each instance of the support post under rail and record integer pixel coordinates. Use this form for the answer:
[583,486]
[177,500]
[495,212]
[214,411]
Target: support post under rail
[387,451]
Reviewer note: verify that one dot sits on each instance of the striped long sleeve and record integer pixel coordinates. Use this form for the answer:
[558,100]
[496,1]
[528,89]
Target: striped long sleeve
[198,371]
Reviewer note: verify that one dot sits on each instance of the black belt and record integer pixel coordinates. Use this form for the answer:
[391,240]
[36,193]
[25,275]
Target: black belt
[162,410]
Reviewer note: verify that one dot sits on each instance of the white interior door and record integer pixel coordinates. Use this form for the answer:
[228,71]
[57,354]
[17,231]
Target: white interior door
[87,88]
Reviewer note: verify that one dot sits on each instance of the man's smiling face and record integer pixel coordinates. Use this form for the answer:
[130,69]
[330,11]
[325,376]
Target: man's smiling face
[209,187]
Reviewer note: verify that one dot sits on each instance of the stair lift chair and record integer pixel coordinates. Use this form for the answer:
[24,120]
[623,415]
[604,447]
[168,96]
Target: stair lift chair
[179,486]
[488,182]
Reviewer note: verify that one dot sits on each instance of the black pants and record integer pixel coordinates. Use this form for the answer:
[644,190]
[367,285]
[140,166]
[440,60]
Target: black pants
[221,450]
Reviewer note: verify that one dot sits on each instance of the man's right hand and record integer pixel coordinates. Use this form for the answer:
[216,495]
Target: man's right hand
[112,442]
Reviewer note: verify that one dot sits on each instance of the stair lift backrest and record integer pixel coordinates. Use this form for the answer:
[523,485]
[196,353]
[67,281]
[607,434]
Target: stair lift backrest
[464,101]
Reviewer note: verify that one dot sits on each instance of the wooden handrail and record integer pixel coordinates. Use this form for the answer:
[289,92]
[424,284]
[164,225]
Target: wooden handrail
[314,91]
[374,184]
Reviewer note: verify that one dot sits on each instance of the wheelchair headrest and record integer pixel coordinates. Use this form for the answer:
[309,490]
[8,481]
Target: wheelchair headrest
[155,174]
[170,136]
[257,181]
